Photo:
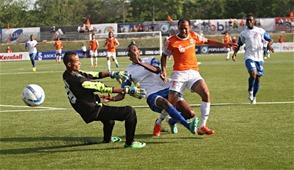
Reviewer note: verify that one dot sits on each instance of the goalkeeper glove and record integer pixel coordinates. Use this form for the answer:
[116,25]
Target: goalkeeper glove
[120,76]
[136,92]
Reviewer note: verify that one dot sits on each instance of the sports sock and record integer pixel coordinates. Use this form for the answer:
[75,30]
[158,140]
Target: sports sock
[96,60]
[228,56]
[59,58]
[250,84]
[108,65]
[205,109]
[91,60]
[256,87]
[162,116]
[33,62]
[172,111]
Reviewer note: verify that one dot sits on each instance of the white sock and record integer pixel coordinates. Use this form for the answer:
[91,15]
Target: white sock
[91,59]
[59,58]
[228,55]
[116,61]
[96,60]
[162,116]
[108,65]
[205,109]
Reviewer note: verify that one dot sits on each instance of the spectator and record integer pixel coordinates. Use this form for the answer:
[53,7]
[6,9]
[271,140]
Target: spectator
[281,39]
[9,50]
[235,24]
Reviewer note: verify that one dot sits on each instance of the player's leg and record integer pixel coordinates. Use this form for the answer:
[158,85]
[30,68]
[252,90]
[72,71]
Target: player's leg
[32,57]
[127,114]
[163,103]
[96,58]
[186,110]
[200,87]
[59,56]
[108,61]
[114,59]
[228,54]
[251,68]
[91,57]
[259,72]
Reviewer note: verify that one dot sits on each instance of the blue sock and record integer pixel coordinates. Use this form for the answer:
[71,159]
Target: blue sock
[33,62]
[250,84]
[256,87]
[177,116]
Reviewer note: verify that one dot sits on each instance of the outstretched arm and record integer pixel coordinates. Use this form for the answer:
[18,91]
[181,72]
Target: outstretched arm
[163,67]
[149,67]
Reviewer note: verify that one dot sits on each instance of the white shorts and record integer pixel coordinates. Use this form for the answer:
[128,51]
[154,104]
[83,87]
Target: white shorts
[228,49]
[184,79]
[111,54]
[58,51]
[93,53]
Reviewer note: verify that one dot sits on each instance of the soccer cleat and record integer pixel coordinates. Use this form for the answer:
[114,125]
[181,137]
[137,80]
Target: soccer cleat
[157,129]
[205,131]
[193,125]
[173,127]
[253,101]
[113,140]
[250,95]
[117,65]
[34,69]
[136,145]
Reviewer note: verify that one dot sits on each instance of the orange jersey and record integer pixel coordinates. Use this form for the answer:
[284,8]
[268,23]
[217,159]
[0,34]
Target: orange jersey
[58,45]
[227,39]
[111,42]
[94,45]
[184,51]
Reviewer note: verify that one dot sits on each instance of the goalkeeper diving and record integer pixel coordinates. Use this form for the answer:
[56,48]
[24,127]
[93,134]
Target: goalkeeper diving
[145,73]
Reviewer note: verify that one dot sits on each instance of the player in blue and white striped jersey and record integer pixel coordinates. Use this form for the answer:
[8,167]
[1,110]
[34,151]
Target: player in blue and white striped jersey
[253,38]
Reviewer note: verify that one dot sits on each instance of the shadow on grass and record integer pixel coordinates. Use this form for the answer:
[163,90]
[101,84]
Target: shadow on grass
[58,143]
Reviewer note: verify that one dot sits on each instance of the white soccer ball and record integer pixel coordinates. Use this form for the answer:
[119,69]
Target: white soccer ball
[33,95]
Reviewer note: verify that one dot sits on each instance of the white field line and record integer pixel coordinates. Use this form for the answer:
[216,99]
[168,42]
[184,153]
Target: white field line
[40,108]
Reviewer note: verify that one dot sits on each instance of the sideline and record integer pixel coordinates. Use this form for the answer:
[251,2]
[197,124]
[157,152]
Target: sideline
[41,108]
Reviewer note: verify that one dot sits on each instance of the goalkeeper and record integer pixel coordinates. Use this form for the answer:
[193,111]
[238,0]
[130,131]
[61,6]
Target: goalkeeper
[146,73]
[82,87]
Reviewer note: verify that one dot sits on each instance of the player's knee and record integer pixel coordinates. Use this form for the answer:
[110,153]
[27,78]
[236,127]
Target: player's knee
[131,113]
[163,103]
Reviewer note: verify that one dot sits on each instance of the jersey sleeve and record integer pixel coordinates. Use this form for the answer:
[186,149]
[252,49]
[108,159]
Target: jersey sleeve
[90,74]
[99,86]
[266,36]
[198,38]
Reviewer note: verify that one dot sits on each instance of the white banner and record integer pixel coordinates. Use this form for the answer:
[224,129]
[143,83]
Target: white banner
[20,34]
[14,56]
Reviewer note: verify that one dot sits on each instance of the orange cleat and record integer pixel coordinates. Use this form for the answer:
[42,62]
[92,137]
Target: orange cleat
[157,129]
[205,131]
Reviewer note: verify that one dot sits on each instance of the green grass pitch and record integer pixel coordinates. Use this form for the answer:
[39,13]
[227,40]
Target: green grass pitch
[54,136]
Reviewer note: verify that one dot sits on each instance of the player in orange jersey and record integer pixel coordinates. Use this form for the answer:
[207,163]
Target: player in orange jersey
[227,39]
[58,48]
[111,44]
[182,46]
[94,45]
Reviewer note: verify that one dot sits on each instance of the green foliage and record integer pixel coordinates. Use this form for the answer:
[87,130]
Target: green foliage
[74,12]
[55,137]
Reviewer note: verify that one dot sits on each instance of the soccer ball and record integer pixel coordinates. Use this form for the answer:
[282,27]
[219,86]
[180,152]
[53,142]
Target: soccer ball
[33,95]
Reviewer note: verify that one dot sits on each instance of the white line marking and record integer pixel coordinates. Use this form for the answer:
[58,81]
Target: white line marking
[40,108]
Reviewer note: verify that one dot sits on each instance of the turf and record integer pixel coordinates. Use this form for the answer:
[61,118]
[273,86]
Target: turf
[54,136]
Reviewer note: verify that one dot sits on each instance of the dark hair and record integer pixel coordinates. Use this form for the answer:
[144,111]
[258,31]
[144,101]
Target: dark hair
[132,43]
[67,56]
[182,20]
[250,15]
